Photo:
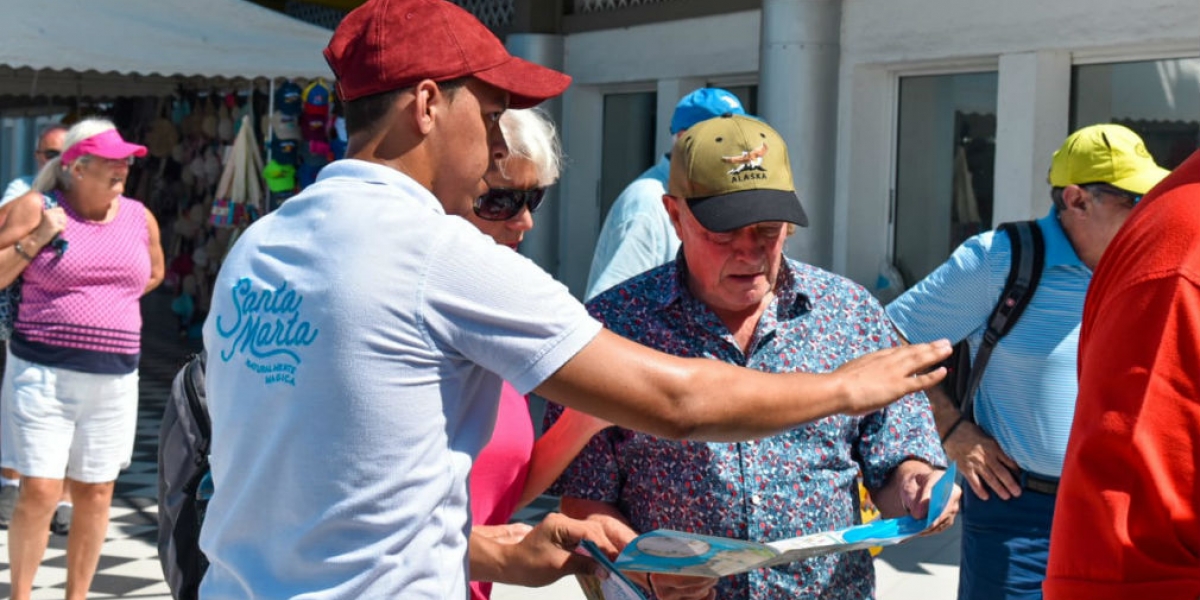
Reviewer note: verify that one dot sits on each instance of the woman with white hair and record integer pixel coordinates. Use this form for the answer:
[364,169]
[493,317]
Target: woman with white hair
[512,470]
[70,390]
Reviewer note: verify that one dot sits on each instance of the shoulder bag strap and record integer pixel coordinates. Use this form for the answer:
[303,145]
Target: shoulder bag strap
[1024,273]
[54,200]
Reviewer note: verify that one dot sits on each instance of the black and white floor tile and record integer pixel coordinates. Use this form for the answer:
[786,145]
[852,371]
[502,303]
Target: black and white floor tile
[129,565]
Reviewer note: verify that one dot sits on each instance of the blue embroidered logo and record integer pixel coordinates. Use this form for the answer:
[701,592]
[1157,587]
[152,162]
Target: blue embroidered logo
[267,330]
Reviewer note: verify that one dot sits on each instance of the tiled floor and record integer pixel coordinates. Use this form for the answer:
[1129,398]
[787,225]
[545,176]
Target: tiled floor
[129,565]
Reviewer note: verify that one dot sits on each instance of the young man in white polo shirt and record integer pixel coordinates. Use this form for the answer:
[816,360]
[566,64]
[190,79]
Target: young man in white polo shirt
[359,335]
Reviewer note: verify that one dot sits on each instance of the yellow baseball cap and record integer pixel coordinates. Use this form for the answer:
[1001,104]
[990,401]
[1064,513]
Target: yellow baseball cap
[1106,153]
[734,171]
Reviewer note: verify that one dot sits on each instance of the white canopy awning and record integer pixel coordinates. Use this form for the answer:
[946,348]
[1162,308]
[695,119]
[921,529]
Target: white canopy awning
[130,47]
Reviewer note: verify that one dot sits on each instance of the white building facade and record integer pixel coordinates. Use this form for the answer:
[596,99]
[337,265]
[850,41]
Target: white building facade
[911,124]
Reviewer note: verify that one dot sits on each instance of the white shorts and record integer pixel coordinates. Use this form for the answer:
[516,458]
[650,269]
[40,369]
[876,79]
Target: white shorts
[60,421]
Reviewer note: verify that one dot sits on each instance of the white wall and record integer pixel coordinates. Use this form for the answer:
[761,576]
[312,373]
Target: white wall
[1032,43]
[685,48]
[911,30]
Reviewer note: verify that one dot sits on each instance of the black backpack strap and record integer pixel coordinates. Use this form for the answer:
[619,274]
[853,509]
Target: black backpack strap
[1028,258]
[193,385]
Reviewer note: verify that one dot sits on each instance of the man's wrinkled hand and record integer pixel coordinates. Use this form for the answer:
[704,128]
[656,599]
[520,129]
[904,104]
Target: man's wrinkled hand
[982,462]
[917,492]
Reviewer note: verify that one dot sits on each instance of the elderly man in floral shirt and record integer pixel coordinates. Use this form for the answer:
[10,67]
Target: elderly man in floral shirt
[731,295]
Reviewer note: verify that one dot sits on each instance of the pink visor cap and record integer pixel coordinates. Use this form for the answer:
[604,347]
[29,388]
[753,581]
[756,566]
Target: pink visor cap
[106,144]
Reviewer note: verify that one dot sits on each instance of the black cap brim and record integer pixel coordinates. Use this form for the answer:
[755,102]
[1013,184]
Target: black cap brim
[739,209]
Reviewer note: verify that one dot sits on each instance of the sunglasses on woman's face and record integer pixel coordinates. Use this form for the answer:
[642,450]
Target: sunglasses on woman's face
[502,204]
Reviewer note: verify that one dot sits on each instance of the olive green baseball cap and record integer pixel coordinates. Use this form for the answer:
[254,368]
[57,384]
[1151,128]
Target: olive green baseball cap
[734,171]
[1105,153]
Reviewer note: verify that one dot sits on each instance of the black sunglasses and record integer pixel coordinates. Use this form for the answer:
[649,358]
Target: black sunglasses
[50,154]
[502,204]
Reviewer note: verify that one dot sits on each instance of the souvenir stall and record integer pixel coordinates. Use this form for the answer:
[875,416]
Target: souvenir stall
[207,86]
[229,165]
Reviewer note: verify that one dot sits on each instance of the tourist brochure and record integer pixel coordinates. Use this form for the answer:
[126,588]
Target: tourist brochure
[615,586]
[677,552]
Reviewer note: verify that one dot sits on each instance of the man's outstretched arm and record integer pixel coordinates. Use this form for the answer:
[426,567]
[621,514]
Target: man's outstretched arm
[694,398]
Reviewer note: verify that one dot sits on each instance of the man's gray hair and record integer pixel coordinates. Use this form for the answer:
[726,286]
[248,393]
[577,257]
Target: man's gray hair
[1056,198]
[531,135]
[47,130]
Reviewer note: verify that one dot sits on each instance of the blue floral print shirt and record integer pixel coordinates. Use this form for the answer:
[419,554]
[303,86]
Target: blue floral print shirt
[796,483]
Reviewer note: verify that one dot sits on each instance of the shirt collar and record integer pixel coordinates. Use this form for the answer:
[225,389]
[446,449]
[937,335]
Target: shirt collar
[376,174]
[1059,251]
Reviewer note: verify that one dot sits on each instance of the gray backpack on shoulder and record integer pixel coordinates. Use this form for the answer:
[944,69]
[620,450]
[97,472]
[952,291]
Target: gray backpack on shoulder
[184,485]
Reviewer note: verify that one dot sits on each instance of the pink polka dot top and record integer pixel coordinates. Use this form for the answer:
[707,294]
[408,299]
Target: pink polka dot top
[81,310]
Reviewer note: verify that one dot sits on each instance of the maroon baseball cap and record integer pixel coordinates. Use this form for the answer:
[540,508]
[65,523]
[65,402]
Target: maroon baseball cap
[387,45]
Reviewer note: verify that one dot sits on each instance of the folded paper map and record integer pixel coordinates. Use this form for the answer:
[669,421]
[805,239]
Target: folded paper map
[677,552]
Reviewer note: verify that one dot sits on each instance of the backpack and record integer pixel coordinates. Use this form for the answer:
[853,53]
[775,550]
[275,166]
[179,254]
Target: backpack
[184,484]
[1028,257]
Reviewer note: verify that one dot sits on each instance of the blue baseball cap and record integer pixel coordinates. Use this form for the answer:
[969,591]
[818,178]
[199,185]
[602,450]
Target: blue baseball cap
[287,98]
[702,105]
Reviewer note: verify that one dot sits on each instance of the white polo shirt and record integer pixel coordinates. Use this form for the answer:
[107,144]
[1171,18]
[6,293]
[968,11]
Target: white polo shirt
[357,342]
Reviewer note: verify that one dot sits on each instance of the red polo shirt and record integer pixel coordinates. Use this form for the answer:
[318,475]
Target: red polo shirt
[1127,524]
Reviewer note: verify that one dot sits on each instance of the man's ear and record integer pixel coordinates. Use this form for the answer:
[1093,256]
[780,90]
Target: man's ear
[672,208]
[1076,198]
[427,102]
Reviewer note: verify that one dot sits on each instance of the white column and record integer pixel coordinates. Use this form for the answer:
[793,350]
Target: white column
[798,83]
[862,225]
[1033,103]
[541,243]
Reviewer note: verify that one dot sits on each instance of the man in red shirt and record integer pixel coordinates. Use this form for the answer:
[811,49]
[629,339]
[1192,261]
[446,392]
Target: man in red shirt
[1128,524]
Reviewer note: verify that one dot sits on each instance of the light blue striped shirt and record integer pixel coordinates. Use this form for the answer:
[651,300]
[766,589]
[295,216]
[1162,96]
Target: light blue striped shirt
[1027,397]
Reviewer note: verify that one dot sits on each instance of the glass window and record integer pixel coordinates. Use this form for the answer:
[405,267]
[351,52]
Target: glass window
[1159,99]
[17,151]
[630,122]
[945,162]
[747,94]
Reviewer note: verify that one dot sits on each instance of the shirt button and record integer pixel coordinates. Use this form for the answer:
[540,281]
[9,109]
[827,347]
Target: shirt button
[755,500]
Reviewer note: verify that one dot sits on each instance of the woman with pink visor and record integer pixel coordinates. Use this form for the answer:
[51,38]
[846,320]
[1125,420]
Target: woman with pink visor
[70,394]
